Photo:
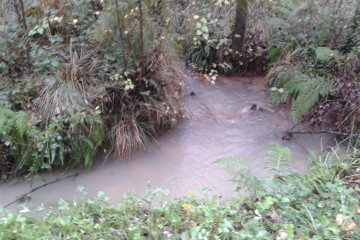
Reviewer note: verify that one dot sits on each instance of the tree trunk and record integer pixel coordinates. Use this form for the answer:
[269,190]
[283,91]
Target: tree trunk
[239,27]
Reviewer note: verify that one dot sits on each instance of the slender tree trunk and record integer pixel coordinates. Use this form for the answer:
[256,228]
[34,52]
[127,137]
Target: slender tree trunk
[239,27]
[121,33]
[23,14]
[22,20]
[142,57]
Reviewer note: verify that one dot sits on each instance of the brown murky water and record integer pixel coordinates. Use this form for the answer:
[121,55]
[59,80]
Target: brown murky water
[220,124]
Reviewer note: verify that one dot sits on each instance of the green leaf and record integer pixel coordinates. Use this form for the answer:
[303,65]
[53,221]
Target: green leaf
[40,30]
[46,166]
[204,29]
[32,32]
[55,63]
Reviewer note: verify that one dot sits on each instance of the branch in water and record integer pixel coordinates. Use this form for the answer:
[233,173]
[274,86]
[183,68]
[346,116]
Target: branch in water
[25,195]
[290,134]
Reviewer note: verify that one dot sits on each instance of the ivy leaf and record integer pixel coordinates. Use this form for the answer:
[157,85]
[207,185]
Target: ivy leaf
[55,63]
[40,30]
[205,29]
[32,32]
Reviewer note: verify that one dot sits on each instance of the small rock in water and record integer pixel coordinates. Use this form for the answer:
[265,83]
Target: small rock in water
[288,136]
[253,107]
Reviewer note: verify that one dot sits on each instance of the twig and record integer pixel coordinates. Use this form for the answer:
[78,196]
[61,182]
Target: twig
[323,131]
[23,196]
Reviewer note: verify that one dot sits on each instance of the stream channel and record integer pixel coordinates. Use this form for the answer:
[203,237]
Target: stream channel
[220,124]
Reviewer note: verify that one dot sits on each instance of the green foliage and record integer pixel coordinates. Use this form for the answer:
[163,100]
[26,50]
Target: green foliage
[77,74]
[306,90]
[65,143]
[17,93]
[207,37]
[278,159]
[325,58]
[310,47]
[309,93]
[243,174]
[18,139]
[286,208]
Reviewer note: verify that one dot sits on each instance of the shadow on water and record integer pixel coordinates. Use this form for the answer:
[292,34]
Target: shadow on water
[222,121]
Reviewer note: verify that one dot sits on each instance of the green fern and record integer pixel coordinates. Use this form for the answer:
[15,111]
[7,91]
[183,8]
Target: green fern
[279,76]
[245,176]
[308,91]
[20,136]
[325,169]
[5,115]
[278,159]
[21,120]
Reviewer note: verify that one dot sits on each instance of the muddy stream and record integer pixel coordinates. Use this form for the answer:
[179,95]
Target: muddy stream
[220,124]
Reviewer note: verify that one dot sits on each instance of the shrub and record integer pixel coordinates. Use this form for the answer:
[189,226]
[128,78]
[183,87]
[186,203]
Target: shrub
[84,67]
[65,143]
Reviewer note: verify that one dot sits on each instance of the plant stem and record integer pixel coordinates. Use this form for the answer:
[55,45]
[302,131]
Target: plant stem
[23,14]
[121,33]
[142,57]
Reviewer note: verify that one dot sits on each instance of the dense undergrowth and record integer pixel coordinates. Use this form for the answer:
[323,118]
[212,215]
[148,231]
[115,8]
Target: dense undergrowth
[314,55]
[94,75]
[320,204]
[310,50]
[82,76]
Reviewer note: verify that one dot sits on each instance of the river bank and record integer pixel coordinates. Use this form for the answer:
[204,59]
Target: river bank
[218,122]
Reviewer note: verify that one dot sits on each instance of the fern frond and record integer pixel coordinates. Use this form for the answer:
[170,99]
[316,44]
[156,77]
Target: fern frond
[232,164]
[278,159]
[106,21]
[309,94]
[278,97]
[5,115]
[34,133]
[245,176]
[315,179]
[21,120]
